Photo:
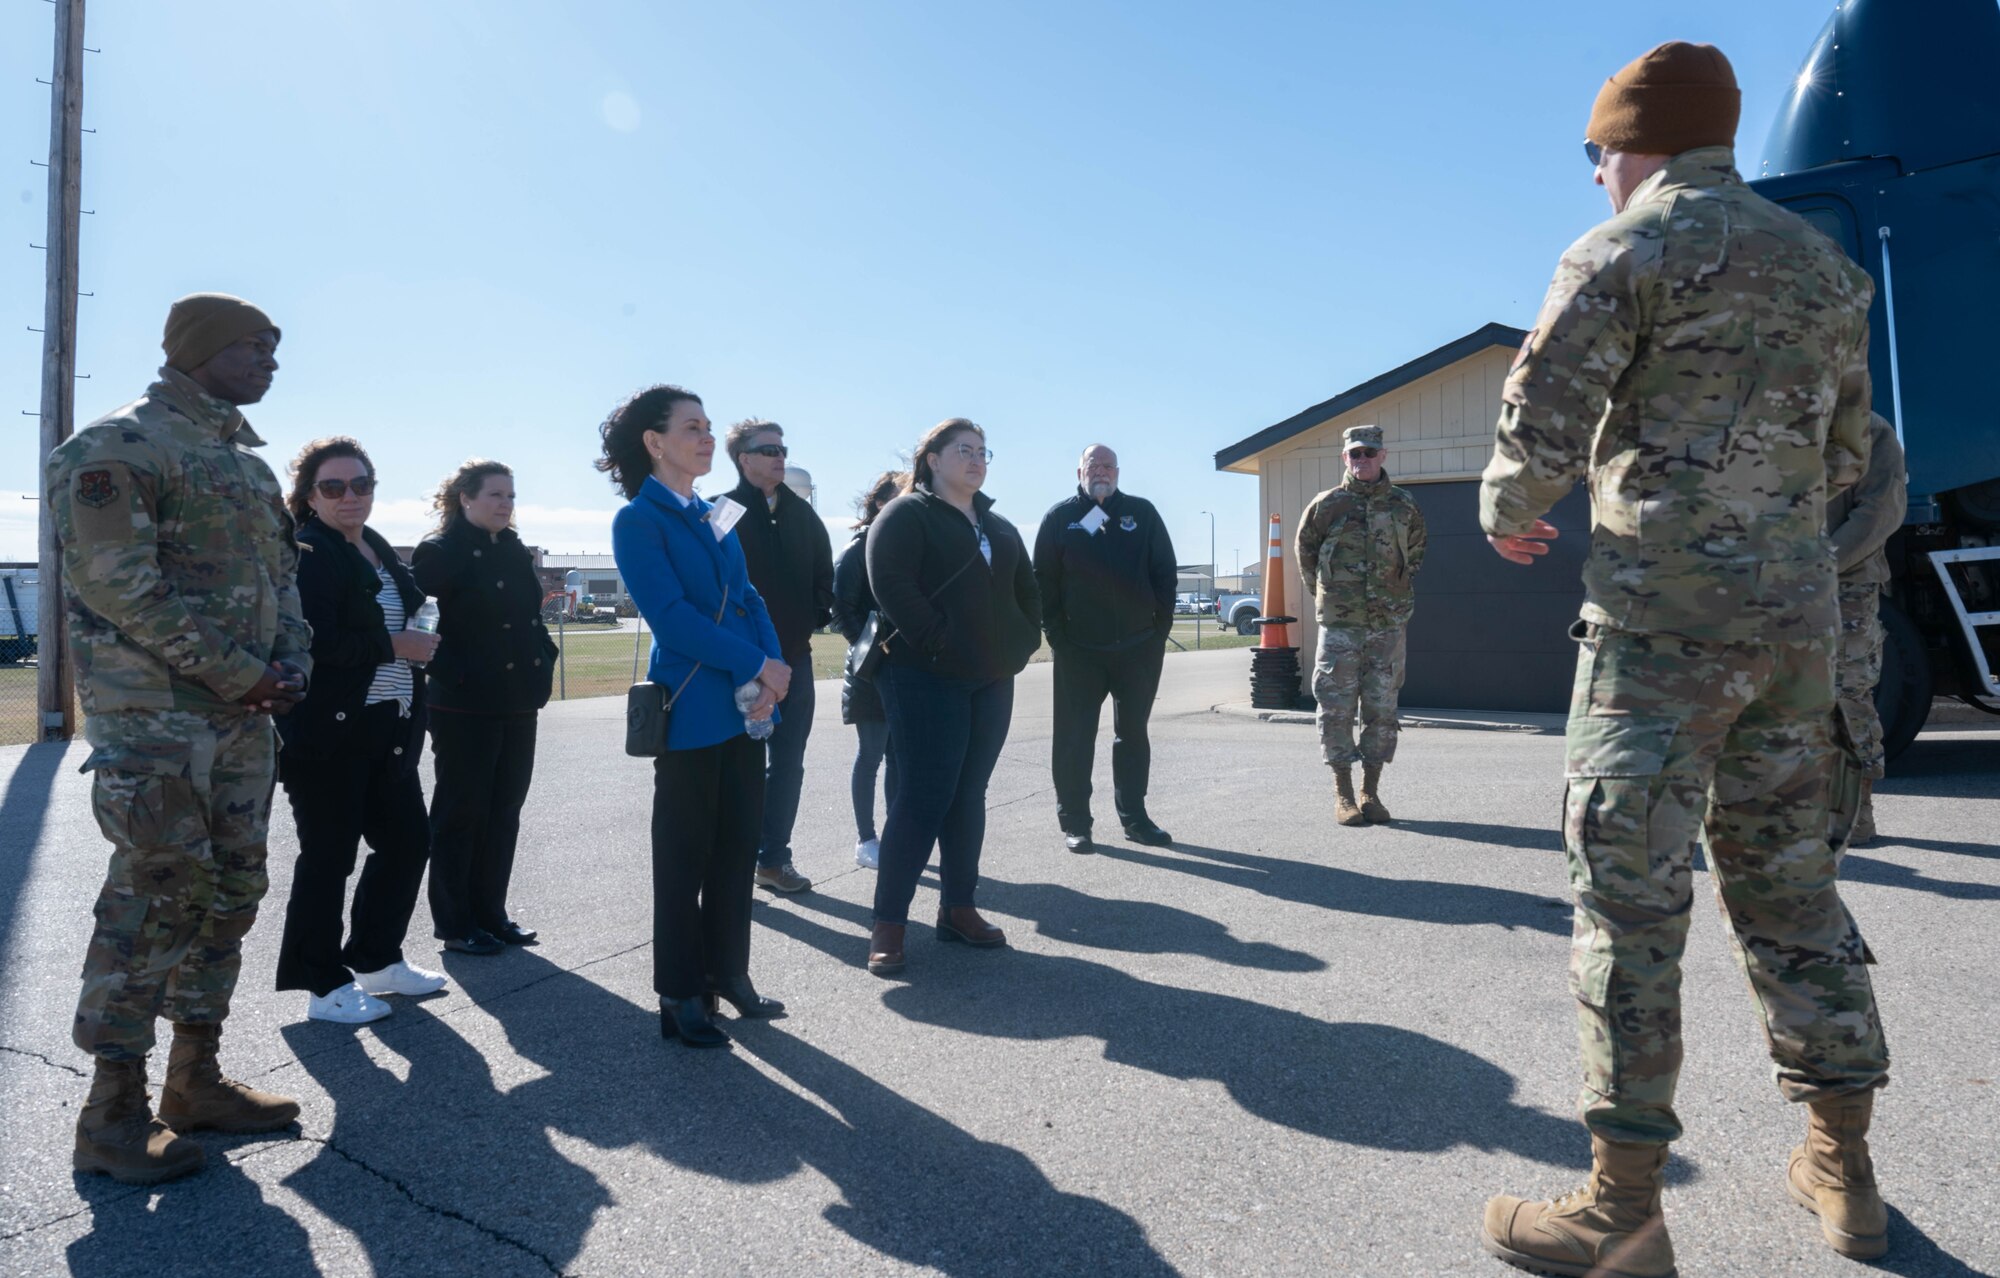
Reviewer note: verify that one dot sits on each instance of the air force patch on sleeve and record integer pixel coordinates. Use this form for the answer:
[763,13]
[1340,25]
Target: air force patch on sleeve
[96,488]
[1128,523]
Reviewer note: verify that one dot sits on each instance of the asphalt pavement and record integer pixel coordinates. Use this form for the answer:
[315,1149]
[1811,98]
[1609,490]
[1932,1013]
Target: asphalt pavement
[1278,1047]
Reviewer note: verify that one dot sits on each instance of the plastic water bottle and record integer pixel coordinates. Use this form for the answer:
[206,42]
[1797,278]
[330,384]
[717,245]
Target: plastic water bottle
[426,620]
[746,696]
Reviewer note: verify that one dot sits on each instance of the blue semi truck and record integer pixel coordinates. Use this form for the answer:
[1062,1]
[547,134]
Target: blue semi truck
[1889,141]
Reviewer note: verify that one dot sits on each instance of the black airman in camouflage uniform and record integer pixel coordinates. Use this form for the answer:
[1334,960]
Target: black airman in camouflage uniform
[185,626]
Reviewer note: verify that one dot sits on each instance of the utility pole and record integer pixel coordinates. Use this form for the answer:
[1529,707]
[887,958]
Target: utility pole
[53,682]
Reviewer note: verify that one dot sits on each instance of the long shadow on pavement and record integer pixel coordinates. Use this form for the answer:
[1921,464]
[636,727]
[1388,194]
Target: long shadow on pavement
[1955,769]
[1135,927]
[1353,1082]
[1938,845]
[216,1223]
[1536,839]
[1351,892]
[1857,868]
[1913,1254]
[915,1186]
[23,811]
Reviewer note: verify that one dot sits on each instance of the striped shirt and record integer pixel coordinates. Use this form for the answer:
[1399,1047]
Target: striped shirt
[392,678]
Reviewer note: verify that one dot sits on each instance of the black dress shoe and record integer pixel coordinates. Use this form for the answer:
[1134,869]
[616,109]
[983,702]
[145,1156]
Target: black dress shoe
[740,994]
[1078,842]
[478,941]
[686,1020]
[1147,833]
[513,933]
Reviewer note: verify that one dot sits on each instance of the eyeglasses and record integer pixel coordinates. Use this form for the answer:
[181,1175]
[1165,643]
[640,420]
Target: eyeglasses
[335,489]
[1364,452]
[770,450]
[968,452]
[1595,152]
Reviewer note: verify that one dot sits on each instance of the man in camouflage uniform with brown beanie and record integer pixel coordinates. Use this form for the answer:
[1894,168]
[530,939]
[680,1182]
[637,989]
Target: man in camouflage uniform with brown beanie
[1359,546]
[1700,362]
[185,626]
[1860,522]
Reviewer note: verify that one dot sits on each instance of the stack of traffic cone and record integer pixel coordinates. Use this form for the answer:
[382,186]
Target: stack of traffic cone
[1274,665]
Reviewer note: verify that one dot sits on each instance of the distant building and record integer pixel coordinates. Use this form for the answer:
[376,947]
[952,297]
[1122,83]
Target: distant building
[600,575]
[1487,635]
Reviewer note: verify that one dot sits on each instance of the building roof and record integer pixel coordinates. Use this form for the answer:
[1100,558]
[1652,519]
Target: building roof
[584,563]
[1374,388]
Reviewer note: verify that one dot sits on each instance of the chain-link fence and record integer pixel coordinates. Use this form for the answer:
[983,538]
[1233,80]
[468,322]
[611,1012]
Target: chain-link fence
[19,640]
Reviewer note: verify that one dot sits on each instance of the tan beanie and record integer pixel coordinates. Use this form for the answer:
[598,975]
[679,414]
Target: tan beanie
[1672,98]
[200,325]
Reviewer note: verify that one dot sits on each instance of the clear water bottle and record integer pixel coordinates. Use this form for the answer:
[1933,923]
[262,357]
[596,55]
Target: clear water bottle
[426,620]
[746,696]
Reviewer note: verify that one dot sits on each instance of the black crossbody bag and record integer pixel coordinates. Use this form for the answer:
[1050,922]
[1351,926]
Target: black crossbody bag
[864,655]
[649,711]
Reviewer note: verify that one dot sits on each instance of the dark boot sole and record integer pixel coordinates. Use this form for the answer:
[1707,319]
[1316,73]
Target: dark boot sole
[1852,1246]
[949,934]
[885,967]
[182,1123]
[1538,1265]
[668,1031]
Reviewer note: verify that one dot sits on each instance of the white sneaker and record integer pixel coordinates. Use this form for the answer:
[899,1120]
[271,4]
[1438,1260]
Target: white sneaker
[400,978]
[868,854]
[348,1005]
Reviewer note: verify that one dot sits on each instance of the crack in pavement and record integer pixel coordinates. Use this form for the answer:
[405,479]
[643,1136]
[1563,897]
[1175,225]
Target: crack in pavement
[46,1060]
[135,1191]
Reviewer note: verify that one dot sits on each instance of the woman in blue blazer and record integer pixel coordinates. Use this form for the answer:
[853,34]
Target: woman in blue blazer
[711,635]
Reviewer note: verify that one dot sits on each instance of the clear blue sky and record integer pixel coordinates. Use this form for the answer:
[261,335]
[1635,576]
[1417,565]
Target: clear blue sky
[1159,225]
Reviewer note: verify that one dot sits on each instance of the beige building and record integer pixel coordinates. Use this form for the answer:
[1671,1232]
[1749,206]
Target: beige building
[1481,639]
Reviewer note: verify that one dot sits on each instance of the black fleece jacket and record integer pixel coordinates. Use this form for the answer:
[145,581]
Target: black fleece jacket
[494,654]
[1110,589]
[337,589]
[980,623]
[790,558]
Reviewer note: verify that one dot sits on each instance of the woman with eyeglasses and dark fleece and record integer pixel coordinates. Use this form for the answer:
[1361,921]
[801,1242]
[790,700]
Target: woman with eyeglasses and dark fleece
[350,749]
[494,670]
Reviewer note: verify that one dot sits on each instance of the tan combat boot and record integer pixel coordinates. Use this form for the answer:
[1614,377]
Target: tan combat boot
[197,1096]
[1611,1228]
[1832,1176]
[1371,782]
[116,1133]
[1344,809]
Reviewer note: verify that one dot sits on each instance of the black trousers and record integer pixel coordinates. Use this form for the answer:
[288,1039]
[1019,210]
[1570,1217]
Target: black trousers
[370,792]
[484,765]
[708,813]
[1083,678]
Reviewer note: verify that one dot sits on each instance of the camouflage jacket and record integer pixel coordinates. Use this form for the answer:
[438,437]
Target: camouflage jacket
[1702,359]
[179,567]
[1861,520]
[1359,545]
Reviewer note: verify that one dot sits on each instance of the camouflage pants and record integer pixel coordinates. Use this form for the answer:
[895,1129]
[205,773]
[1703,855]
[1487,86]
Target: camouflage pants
[186,801]
[1364,665]
[1667,738]
[1857,669]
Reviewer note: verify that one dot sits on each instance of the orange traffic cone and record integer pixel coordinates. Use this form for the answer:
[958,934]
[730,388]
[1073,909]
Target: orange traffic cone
[1274,664]
[1277,633]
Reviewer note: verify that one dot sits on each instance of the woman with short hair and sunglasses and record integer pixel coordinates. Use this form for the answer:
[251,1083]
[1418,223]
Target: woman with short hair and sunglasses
[349,755]
[494,670]
[956,582]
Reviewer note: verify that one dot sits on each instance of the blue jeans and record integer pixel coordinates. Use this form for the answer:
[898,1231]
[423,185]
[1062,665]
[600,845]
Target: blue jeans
[785,766]
[874,752]
[948,733]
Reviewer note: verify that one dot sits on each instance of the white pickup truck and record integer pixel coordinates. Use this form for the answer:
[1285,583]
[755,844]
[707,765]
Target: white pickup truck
[1239,612]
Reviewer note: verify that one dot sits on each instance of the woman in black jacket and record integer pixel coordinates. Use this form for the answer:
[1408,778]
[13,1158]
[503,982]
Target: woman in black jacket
[860,704]
[956,582]
[493,670]
[349,754]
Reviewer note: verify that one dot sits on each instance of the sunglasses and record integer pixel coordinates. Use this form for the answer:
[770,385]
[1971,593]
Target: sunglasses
[1595,152]
[335,489]
[770,450]
[1364,452]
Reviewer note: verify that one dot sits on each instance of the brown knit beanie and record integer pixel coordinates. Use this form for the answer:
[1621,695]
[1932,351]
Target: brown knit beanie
[1672,98]
[200,325]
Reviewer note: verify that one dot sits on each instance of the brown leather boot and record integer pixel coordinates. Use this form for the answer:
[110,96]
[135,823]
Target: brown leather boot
[1371,782]
[885,949]
[963,923]
[1345,810]
[116,1133]
[1611,1228]
[197,1096]
[1832,1176]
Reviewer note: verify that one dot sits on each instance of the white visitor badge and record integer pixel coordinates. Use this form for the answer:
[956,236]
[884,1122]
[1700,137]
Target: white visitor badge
[1095,520]
[722,516]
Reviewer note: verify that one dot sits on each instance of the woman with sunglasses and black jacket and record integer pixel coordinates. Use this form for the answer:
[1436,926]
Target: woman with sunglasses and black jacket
[956,582]
[350,749]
